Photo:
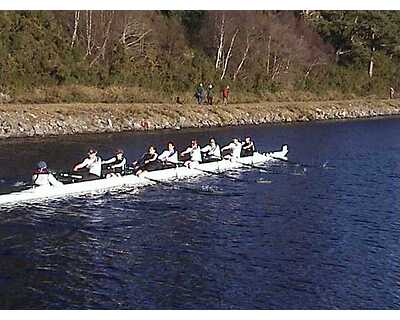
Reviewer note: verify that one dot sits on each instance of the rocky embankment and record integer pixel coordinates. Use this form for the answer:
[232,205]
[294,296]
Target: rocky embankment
[59,119]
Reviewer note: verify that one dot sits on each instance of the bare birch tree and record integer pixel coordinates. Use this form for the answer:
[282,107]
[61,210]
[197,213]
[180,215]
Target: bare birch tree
[229,54]
[88,33]
[221,43]
[133,33]
[371,59]
[244,57]
[76,23]
[102,49]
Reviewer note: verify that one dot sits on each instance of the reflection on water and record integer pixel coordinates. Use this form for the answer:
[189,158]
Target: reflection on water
[316,238]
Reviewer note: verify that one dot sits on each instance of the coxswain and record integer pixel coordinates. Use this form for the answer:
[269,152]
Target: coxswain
[169,158]
[248,148]
[234,149]
[118,164]
[92,164]
[195,154]
[211,152]
[148,162]
[42,177]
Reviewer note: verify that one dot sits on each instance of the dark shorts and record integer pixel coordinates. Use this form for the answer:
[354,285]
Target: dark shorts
[71,177]
[210,159]
[168,166]
[246,153]
[86,176]
[107,171]
[151,166]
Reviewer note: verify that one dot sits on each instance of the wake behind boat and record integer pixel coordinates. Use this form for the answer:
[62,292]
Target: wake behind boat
[146,178]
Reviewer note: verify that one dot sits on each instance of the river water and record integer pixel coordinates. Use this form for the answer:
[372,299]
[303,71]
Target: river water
[326,236]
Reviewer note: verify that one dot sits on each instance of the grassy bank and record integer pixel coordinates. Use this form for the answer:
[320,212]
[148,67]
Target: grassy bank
[65,94]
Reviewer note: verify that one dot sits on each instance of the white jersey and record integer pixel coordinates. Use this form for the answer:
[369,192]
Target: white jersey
[45,179]
[195,153]
[168,156]
[236,149]
[94,165]
[210,151]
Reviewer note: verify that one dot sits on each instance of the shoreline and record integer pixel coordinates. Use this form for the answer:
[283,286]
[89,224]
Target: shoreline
[43,120]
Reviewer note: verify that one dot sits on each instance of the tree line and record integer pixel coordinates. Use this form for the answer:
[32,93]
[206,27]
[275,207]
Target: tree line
[262,55]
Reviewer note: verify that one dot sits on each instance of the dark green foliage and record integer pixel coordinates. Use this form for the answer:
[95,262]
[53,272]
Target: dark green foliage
[320,52]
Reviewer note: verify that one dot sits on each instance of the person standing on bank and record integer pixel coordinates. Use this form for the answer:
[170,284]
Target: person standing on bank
[225,95]
[199,94]
[391,93]
[210,94]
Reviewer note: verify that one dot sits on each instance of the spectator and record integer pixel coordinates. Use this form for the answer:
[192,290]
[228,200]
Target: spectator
[391,94]
[225,95]
[210,94]
[199,94]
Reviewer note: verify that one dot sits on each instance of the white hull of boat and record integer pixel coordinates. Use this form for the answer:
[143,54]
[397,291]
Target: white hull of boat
[49,192]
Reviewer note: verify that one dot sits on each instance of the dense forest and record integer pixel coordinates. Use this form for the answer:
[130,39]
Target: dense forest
[155,56]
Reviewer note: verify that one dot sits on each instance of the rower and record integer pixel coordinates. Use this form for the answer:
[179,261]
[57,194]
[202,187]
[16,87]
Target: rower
[42,177]
[248,148]
[211,152]
[148,162]
[234,149]
[195,154]
[169,158]
[92,164]
[118,164]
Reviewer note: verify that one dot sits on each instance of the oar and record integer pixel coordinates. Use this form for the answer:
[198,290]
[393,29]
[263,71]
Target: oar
[69,175]
[221,174]
[195,190]
[66,177]
[262,169]
[324,166]
[214,173]
[258,168]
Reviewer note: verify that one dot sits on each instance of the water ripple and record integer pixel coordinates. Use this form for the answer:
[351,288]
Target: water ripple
[310,239]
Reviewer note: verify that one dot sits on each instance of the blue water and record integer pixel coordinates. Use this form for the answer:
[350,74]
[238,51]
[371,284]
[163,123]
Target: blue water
[316,237]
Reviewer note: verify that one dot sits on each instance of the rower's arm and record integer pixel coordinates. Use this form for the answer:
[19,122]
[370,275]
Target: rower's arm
[120,165]
[53,181]
[186,151]
[163,156]
[154,158]
[140,160]
[109,161]
[80,165]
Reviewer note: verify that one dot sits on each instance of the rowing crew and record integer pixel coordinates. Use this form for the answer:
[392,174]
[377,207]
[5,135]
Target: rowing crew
[91,167]
[151,161]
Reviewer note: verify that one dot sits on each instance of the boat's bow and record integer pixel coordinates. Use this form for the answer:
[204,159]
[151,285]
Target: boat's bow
[278,155]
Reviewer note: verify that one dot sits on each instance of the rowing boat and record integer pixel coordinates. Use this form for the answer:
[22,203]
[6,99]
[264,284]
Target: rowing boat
[147,178]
